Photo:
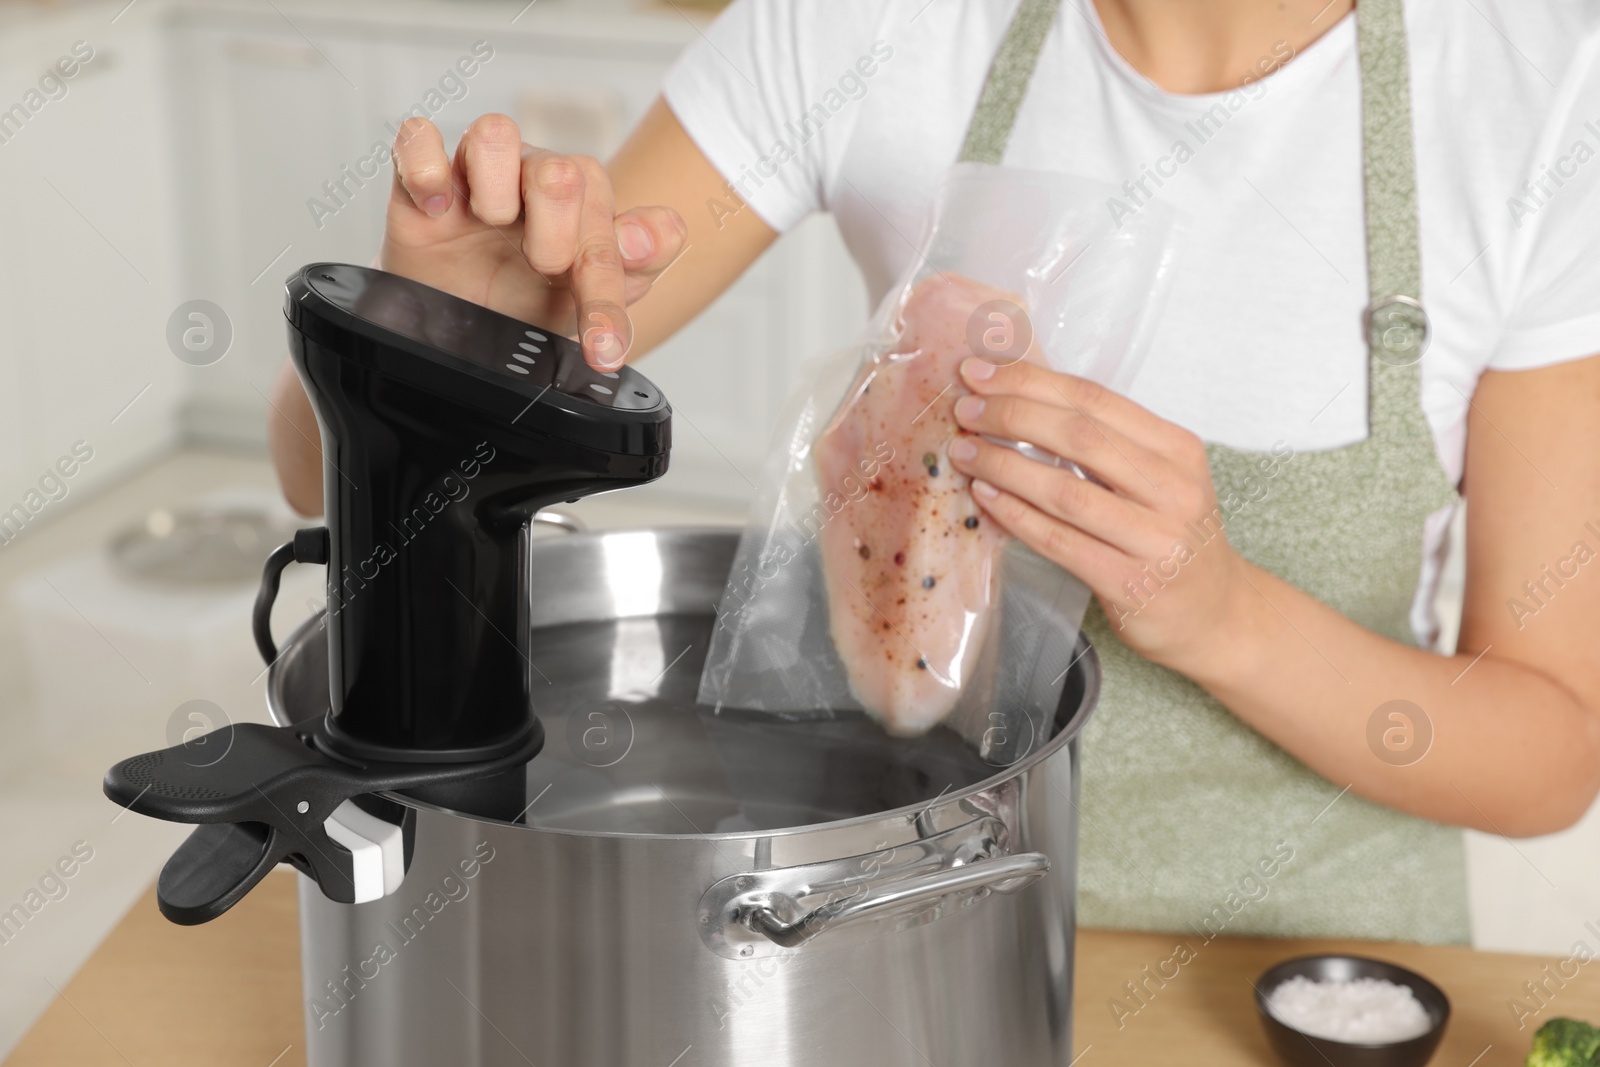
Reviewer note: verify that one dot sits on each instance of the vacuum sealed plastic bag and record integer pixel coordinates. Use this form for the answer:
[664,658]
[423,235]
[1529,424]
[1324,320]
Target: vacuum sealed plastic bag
[868,578]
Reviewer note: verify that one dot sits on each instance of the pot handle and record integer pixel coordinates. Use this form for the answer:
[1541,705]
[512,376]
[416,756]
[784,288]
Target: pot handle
[1004,874]
[560,520]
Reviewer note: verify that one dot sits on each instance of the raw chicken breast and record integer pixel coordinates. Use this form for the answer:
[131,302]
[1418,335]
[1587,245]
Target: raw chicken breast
[910,562]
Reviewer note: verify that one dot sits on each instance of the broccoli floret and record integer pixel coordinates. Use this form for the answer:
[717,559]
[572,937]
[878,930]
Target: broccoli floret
[1565,1043]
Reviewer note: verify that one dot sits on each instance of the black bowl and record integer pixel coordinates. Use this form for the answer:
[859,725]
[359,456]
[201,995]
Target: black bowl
[1302,1050]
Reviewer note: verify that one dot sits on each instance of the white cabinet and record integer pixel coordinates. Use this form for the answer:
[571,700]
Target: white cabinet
[277,118]
[289,107]
[85,254]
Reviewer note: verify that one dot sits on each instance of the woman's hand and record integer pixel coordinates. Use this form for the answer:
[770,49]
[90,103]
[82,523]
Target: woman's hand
[483,225]
[526,231]
[1149,542]
[1293,668]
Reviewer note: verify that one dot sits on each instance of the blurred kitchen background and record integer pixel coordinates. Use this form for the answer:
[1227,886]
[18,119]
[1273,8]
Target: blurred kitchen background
[182,162]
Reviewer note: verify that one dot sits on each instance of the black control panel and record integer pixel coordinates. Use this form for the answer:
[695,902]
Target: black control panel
[535,358]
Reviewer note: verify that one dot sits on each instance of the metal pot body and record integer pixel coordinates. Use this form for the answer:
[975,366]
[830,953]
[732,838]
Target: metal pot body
[683,893]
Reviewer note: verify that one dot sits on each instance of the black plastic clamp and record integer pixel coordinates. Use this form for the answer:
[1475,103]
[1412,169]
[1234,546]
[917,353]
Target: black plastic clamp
[267,801]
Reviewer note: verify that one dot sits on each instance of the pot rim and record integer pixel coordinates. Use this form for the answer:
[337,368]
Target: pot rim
[1065,736]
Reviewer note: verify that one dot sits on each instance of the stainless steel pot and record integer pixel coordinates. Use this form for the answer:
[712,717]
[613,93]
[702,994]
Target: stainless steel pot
[687,888]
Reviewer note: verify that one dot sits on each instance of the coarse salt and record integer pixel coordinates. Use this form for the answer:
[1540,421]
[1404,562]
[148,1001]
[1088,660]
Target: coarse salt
[1367,1011]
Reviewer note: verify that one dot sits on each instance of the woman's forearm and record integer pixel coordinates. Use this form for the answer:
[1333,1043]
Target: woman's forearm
[295,442]
[1482,741]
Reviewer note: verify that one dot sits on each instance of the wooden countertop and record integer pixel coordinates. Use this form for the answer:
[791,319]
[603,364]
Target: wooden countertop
[228,993]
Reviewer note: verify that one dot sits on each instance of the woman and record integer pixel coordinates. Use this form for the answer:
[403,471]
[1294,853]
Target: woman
[1277,749]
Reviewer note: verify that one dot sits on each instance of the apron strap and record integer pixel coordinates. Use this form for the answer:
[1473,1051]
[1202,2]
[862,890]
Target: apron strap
[1002,94]
[1394,267]
[1396,327]
[1394,264]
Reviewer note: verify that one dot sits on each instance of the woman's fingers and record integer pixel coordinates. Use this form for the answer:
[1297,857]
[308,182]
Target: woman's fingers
[1100,566]
[1113,457]
[571,233]
[489,158]
[422,169]
[1059,494]
[650,238]
[1086,398]
[597,279]
[551,196]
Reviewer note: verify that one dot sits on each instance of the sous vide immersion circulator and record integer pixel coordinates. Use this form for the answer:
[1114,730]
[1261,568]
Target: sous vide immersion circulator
[445,427]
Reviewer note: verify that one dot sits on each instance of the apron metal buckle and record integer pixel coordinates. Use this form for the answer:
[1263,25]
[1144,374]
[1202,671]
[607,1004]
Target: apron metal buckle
[1397,329]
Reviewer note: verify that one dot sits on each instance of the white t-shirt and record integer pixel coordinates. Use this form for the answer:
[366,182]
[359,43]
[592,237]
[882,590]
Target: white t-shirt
[1260,340]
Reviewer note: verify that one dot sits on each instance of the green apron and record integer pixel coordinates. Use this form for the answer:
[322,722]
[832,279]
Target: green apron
[1191,820]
